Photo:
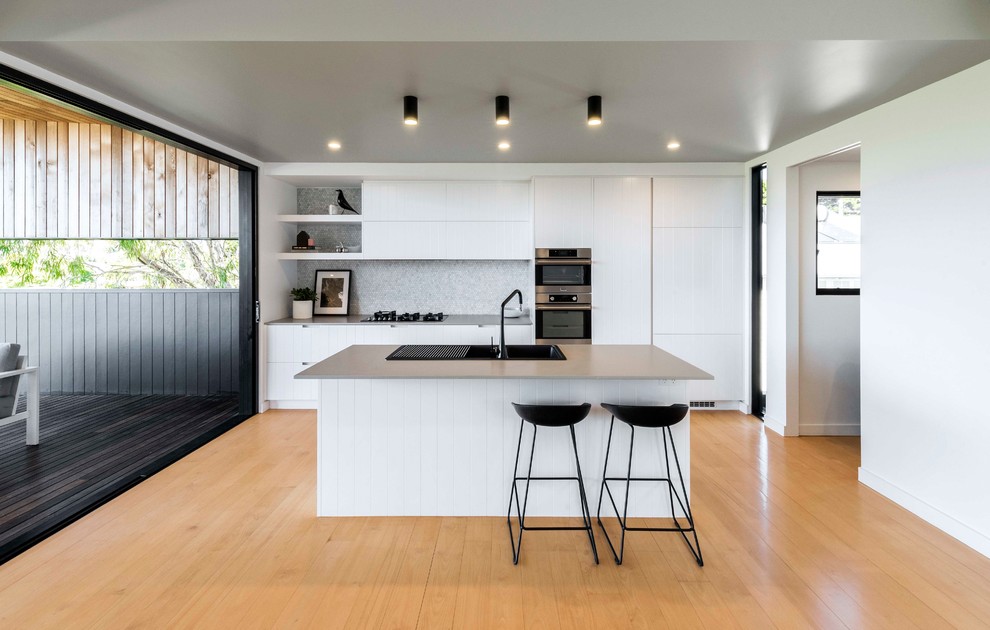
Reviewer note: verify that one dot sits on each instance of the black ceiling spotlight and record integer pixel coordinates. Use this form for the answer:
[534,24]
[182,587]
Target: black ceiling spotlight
[502,110]
[410,110]
[594,110]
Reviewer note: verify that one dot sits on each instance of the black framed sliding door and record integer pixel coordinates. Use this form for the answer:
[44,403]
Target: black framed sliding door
[131,379]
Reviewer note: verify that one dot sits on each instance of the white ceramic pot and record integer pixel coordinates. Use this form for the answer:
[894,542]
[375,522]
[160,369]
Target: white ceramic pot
[302,309]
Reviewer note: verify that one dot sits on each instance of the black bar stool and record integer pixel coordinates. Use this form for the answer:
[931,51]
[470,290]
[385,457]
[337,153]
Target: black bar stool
[547,416]
[648,417]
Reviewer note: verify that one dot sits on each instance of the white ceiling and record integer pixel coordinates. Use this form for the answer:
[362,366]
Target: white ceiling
[277,80]
[488,20]
[724,101]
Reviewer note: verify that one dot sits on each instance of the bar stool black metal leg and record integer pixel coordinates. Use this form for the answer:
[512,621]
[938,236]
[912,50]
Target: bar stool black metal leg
[585,511]
[625,508]
[521,514]
[608,448]
[696,549]
[513,494]
[623,517]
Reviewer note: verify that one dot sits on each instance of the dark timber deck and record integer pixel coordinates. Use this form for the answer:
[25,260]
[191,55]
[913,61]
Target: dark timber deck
[91,447]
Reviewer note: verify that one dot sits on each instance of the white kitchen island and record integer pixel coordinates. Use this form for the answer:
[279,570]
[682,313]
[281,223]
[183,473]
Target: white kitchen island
[408,438]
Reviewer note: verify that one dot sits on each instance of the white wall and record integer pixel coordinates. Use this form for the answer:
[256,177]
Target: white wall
[829,324]
[275,277]
[925,301]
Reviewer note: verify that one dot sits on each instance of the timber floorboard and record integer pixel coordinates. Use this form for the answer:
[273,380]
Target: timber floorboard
[89,445]
[226,538]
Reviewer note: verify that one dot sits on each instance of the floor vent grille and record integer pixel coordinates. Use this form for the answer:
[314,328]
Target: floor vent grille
[702,404]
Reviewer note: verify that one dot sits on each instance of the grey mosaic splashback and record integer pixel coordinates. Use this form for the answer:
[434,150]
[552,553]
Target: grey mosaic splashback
[469,287]
[318,200]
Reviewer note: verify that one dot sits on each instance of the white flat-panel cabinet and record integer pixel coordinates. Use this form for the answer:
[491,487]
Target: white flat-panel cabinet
[489,220]
[293,348]
[563,212]
[620,275]
[698,279]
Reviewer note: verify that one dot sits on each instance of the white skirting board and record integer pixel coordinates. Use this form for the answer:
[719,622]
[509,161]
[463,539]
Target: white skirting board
[774,425]
[292,404]
[955,528]
[830,429]
[446,447]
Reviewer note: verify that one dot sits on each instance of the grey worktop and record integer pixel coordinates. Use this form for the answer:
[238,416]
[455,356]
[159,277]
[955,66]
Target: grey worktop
[634,362]
[452,320]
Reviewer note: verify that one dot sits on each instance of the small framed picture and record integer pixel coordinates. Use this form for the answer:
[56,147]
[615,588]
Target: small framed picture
[333,292]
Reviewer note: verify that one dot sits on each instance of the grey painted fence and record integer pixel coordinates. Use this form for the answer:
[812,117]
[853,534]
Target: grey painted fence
[124,341]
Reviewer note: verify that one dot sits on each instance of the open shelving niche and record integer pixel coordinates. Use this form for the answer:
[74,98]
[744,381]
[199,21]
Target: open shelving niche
[320,219]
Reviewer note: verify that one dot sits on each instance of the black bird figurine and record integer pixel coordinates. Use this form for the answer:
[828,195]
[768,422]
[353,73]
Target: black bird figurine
[342,202]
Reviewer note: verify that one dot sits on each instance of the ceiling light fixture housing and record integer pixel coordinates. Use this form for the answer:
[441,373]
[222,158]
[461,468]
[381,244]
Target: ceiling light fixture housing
[594,110]
[333,145]
[502,110]
[504,145]
[410,110]
[673,145]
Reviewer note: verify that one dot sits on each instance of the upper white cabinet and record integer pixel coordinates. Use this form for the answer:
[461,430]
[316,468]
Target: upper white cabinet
[701,202]
[404,201]
[447,220]
[621,244]
[488,201]
[563,212]
[404,240]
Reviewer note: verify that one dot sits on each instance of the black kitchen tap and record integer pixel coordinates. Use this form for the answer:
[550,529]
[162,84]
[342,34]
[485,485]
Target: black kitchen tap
[502,354]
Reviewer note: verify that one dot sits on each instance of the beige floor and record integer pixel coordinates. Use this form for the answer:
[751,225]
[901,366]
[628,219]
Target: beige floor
[226,539]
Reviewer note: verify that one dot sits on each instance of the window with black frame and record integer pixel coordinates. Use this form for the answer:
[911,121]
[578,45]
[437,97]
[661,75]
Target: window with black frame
[838,236]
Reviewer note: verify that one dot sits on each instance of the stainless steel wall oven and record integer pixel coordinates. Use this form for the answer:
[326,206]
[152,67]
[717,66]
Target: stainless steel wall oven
[563,295]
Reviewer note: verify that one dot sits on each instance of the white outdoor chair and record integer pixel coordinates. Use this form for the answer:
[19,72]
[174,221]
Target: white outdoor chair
[10,389]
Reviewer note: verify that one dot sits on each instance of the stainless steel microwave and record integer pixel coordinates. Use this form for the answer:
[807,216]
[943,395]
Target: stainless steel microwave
[563,270]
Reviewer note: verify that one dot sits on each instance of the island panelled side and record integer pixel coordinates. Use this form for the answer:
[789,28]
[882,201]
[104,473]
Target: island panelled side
[410,447]
[393,444]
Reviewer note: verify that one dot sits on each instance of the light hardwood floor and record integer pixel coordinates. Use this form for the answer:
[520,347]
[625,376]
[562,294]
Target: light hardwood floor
[226,538]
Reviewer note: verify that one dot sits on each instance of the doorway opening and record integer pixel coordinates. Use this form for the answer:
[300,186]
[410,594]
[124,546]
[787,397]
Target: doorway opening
[758,351]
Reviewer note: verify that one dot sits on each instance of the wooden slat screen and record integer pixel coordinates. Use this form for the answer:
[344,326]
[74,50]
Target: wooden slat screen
[181,342]
[79,180]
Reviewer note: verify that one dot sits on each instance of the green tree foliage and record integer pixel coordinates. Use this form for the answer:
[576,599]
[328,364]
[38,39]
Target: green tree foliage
[123,264]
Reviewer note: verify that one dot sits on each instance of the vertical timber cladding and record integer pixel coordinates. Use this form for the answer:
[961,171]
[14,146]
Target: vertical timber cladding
[92,180]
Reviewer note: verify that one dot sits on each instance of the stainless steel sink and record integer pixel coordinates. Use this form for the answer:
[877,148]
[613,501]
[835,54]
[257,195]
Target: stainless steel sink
[476,353]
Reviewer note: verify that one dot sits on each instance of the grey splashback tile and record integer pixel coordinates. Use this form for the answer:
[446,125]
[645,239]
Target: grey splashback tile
[318,200]
[329,236]
[452,286]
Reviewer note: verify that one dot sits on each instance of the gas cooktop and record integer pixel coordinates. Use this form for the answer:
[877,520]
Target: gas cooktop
[391,316]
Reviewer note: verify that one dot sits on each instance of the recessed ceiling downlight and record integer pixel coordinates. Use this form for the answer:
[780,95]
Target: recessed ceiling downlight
[333,145]
[504,145]
[673,145]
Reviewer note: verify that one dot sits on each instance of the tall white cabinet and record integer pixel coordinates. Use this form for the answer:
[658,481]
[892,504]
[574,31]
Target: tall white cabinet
[611,215]
[698,279]
[620,275]
[668,265]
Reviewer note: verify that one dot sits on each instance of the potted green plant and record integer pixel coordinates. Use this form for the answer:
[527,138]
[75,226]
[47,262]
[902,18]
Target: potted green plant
[302,302]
